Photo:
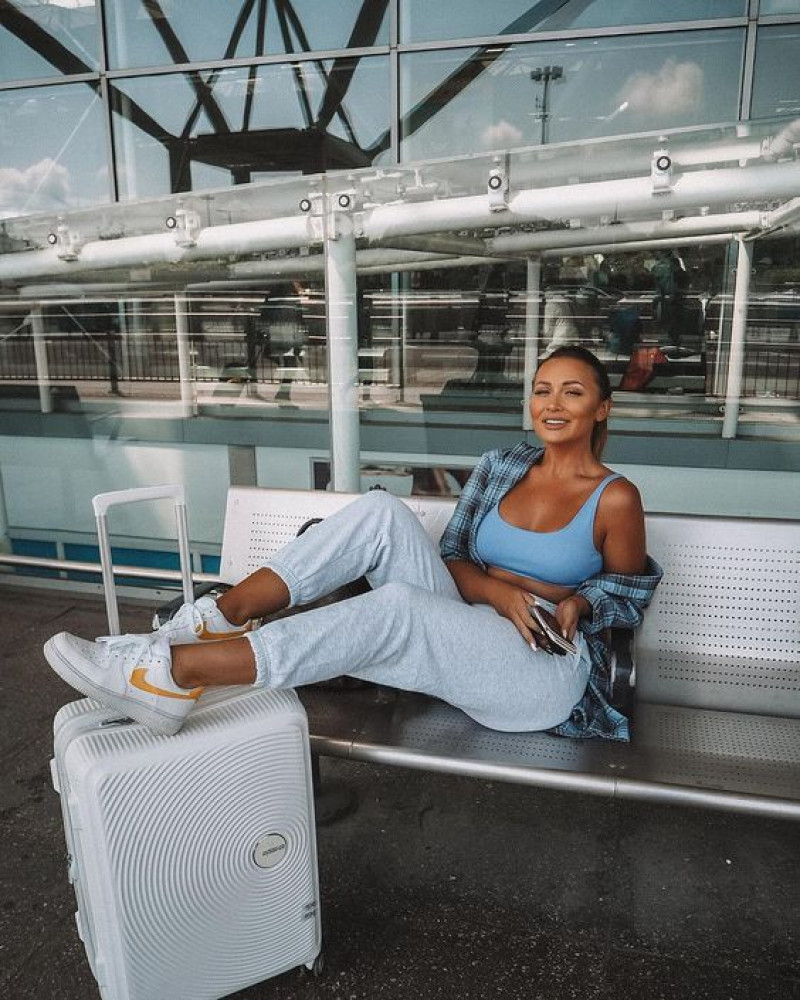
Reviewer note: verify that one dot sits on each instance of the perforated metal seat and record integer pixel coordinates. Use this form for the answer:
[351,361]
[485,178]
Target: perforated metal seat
[718,673]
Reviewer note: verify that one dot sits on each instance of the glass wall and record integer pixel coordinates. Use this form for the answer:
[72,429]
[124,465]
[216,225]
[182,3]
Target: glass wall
[48,39]
[776,83]
[455,100]
[197,130]
[148,34]
[128,120]
[423,21]
[53,149]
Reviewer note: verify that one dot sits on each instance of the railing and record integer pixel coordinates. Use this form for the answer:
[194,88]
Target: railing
[771,368]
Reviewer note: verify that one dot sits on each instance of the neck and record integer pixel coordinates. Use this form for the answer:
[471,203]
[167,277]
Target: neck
[564,461]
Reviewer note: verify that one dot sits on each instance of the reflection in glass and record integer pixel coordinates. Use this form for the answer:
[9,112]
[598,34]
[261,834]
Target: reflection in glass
[456,339]
[422,21]
[776,79]
[47,39]
[211,129]
[457,101]
[772,351]
[150,33]
[261,345]
[779,7]
[52,149]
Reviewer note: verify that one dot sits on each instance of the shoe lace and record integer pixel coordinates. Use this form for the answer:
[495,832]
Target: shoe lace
[139,644]
[187,614]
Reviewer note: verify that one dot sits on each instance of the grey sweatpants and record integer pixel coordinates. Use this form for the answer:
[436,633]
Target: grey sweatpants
[413,630]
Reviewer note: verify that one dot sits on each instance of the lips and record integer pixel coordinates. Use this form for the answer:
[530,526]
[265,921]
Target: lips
[553,422]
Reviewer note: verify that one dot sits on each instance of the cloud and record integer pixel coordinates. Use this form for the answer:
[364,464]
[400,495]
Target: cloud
[501,135]
[39,187]
[676,88]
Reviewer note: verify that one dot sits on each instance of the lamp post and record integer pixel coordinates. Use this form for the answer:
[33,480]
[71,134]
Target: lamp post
[543,75]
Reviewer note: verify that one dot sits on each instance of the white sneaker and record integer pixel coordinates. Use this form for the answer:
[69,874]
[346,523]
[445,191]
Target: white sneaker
[201,622]
[129,673]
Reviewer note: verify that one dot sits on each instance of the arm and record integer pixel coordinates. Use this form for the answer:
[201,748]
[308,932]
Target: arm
[508,600]
[475,585]
[454,543]
[620,526]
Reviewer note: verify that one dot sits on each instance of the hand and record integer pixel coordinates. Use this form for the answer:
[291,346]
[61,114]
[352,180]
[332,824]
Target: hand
[514,603]
[569,612]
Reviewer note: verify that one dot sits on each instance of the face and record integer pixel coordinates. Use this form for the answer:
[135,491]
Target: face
[566,402]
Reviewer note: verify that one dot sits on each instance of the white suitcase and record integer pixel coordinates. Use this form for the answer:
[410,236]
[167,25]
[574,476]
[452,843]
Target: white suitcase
[193,857]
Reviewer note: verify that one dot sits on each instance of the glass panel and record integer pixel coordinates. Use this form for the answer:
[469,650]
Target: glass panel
[38,39]
[200,130]
[776,80]
[772,352]
[422,21]
[500,96]
[144,33]
[52,149]
[455,339]
[779,7]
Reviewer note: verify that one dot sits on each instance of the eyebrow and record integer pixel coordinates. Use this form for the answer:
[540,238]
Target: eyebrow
[570,382]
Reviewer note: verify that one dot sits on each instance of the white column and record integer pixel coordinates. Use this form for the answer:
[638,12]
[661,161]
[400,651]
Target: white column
[184,360]
[342,329]
[744,263]
[531,348]
[396,353]
[40,357]
[5,541]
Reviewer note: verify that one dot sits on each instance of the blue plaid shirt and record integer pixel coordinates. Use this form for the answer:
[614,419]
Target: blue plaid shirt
[618,600]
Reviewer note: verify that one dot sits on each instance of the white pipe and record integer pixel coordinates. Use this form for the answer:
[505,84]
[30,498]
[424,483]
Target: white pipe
[733,393]
[531,356]
[184,360]
[629,196]
[592,161]
[342,318]
[783,216]
[782,144]
[376,258]
[609,248]
[611,235]
[434,264]
[40,356]
[137,251]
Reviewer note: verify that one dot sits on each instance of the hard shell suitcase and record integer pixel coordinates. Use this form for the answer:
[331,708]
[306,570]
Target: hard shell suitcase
[193,857]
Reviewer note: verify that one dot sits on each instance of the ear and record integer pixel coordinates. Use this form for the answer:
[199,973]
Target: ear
[603,410]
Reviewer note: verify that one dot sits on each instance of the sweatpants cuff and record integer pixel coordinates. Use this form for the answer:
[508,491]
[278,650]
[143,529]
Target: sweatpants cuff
[259,647]
[293,582]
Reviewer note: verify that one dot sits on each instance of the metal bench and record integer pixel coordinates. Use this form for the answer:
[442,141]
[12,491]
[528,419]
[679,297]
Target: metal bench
[717,719]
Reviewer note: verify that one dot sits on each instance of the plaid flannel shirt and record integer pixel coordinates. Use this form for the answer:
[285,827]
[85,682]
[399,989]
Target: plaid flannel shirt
[618,600]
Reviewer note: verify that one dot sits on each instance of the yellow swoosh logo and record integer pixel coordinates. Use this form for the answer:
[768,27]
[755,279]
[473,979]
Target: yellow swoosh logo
[139,680]
[206,635]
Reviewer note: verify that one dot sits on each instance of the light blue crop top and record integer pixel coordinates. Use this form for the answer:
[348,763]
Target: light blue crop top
[566,557]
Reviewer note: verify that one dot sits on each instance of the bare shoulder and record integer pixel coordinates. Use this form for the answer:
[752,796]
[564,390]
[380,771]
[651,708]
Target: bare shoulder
[621,497]
[619,528]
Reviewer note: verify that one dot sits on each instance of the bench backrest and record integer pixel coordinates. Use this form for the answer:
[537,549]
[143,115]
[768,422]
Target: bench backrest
[258,522]
[723,631]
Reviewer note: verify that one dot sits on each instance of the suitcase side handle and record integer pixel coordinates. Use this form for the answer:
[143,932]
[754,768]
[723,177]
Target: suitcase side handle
[103,502]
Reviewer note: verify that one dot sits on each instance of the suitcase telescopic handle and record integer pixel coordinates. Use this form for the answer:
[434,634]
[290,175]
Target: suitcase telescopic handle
[103,502]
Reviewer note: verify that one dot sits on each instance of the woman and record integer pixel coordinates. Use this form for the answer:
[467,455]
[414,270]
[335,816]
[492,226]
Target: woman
[551,524]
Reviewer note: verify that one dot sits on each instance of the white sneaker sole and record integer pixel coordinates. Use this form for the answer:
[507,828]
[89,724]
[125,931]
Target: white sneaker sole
[162,723]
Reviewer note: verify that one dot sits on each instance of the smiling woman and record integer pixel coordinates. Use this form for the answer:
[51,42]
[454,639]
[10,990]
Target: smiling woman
[548,527]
